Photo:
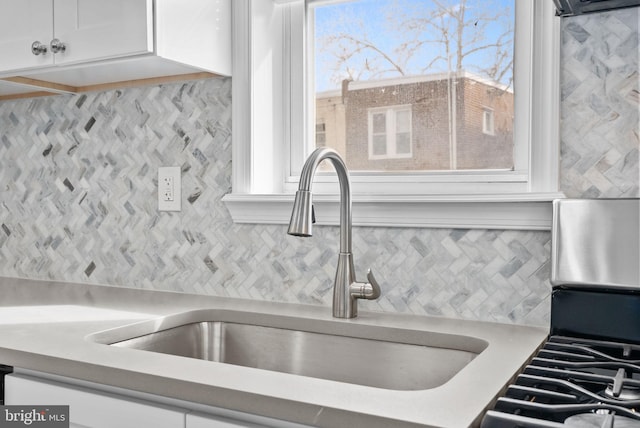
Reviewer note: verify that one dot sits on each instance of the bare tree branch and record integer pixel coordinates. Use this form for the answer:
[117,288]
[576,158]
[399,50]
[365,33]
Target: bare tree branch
[445,36]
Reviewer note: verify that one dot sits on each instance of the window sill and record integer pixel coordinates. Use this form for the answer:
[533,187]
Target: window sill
[531,211]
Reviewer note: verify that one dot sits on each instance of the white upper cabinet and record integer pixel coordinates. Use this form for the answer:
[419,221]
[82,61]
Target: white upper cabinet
[76,45]
[98,29]
[24,23]
[41,33]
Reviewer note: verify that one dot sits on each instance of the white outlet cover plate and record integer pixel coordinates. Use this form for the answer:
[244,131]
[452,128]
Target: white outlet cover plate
[173,173]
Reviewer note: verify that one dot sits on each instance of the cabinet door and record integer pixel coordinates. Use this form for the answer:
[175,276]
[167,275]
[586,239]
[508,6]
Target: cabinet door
[89,408]
[99,29]
[23,22]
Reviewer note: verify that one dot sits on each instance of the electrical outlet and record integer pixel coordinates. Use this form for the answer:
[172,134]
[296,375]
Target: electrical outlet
[169,191]
[166,189]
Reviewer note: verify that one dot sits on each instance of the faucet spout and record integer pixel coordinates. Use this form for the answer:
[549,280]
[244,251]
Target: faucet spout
[346,290]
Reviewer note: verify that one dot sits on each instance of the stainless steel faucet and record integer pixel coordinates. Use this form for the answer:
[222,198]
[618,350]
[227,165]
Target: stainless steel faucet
[346,290]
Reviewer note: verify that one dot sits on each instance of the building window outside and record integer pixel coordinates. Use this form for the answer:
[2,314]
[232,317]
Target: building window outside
[321,134]
[488,122]
[389,132]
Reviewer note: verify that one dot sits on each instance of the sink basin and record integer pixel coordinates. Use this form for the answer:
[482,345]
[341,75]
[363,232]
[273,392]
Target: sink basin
[336,350]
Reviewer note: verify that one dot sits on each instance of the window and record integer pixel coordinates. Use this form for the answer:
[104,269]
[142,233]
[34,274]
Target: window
[274,131]
[487,121]
[389,132]
[321,134]
[444,59]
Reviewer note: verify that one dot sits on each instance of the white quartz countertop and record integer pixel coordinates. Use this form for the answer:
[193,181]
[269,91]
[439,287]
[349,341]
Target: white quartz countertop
[50,327]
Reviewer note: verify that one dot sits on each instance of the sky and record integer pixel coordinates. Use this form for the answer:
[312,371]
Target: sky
[377,22]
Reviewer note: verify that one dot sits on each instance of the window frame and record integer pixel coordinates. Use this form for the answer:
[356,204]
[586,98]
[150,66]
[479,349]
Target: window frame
[267,155]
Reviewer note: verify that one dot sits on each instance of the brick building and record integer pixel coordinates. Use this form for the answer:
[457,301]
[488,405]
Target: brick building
[404,123]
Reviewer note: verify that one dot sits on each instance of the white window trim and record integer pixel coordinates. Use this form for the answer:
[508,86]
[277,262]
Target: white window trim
[269,101]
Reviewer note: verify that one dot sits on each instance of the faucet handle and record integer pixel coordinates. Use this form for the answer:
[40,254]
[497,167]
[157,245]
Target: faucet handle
[366,290]
[375,288]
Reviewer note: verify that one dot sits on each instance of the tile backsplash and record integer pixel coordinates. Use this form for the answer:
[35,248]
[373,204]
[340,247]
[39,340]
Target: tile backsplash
[78,178]
[600,86]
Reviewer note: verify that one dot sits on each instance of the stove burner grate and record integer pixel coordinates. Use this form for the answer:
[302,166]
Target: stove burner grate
[573,382]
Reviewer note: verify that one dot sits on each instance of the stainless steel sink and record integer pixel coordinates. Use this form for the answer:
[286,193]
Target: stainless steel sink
[360,354]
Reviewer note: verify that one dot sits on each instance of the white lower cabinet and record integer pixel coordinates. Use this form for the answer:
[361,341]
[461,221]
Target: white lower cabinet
[91,407]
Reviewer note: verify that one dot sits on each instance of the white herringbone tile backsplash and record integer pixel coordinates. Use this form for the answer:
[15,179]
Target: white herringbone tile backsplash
[78,178]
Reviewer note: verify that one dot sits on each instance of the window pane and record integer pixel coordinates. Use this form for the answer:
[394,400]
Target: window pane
[379,145]
[403,120]
[379,123]
[321,140]
[403,143]
[447,61]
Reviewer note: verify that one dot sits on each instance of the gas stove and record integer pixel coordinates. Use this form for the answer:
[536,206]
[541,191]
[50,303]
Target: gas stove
[587,374]
[574,382]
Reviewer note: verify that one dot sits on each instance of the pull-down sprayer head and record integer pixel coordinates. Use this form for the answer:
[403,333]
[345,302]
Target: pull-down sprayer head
[302,215]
